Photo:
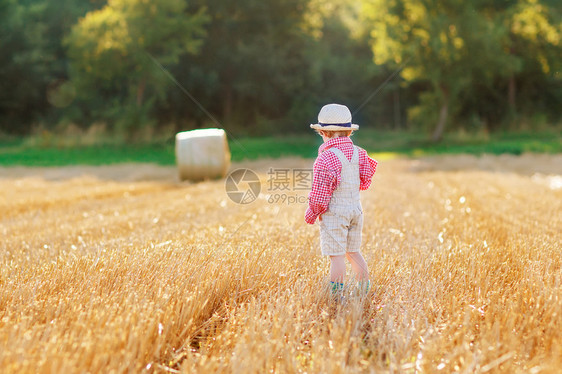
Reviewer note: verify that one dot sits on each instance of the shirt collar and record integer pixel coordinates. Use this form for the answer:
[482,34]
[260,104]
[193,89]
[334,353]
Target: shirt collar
[335,142]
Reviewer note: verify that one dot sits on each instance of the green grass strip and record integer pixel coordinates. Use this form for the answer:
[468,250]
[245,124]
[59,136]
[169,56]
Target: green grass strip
[385,144]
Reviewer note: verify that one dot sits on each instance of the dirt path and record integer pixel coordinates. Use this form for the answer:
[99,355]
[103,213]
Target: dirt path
[527,164]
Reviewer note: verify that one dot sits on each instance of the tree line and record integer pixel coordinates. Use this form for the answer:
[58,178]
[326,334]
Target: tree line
[262,67]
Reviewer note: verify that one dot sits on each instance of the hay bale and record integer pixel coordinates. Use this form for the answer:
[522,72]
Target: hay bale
[202,154]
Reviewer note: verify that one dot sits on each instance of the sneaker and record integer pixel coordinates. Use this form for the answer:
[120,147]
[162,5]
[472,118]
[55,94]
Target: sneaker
[337,292]
[363,287]
[336,287]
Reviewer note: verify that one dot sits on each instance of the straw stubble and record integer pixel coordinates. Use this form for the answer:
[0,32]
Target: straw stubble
[99,275]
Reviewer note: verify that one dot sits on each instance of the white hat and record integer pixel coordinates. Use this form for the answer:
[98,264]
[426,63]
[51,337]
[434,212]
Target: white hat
[334,117]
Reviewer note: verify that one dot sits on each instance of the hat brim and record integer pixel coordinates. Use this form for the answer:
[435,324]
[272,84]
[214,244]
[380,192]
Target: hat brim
[317,126]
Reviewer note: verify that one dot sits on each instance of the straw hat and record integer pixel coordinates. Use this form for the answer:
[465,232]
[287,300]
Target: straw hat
[334,117]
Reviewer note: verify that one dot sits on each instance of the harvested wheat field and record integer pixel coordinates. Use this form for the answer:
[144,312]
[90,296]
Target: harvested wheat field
[124,269]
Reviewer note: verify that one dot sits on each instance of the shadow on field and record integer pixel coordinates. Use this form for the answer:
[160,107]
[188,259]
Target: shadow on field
[526,164]
[118,173]
[136,172]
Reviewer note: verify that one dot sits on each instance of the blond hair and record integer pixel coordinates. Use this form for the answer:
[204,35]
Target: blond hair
[336,133]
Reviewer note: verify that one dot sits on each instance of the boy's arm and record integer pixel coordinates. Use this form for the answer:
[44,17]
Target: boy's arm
[324,183]
[367,168]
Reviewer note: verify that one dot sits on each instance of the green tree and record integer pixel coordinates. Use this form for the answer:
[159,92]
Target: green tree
[251,64]
[114,50]
[267,66]
[445,44]
[530,35]
[339,62]
[33,62]
[21,72]
[535,38]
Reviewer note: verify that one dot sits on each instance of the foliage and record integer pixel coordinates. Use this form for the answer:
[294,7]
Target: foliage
[112,52]
[265,67]
[463,48]
[32,59]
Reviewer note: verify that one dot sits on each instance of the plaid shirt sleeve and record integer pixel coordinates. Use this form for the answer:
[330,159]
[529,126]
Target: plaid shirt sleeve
[326,177]
[367,168]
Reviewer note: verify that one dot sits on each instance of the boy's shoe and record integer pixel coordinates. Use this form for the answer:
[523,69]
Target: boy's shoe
[363,287]
[336,287]
[337,292]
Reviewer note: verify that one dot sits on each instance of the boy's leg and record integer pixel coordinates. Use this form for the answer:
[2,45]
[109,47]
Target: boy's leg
[359,266]
[361,271]
[337,273]
[357,261]
[337,268]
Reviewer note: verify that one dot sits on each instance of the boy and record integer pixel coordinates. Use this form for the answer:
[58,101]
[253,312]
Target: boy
[340,172]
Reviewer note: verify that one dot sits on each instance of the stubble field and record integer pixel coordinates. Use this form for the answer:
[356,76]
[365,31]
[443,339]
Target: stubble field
[127,270]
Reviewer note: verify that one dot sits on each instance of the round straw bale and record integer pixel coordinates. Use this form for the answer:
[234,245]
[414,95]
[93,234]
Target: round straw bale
[202,154]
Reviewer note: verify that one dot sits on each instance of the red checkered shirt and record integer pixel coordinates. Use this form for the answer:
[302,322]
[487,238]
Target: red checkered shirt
[327,175]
